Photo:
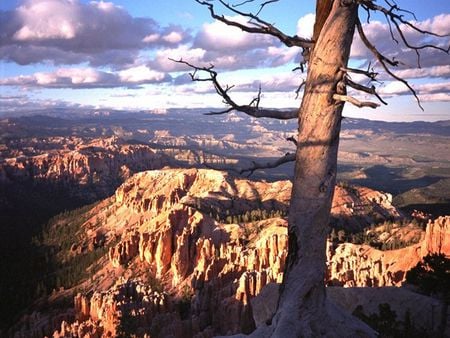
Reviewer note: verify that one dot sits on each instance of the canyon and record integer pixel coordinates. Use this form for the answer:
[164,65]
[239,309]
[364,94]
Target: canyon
[176,264]
[97,246]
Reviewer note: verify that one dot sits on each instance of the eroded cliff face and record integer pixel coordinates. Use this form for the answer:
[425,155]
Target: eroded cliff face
[437,237]
[361,265]
[175,261]
[102,163]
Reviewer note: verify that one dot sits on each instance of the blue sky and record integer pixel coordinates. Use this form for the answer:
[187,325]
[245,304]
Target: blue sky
[63,53]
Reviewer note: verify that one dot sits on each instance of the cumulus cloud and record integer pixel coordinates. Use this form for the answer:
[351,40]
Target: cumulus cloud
[305,26]
[430,72]
[73,32]
[88,78]
[433,63]
[162,60]
[397,88]
[217,36]
[283,82]
[141,74]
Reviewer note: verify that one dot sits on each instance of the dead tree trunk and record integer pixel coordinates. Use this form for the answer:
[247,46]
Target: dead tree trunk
[303,310]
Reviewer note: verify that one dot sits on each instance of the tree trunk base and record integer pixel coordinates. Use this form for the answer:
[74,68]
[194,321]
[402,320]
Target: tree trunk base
[333,321]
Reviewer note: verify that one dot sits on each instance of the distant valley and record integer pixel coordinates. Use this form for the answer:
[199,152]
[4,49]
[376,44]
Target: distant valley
[409,160]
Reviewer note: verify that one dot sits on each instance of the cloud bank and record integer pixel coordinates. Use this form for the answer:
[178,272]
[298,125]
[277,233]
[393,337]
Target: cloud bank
[71,32]
[100,45]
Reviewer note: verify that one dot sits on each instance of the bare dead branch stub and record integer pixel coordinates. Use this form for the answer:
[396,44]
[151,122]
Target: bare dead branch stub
[288,157]
[354,101]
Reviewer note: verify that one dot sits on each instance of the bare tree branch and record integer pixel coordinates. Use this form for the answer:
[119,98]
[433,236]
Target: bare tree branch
[251,109]
[256,25]
[261,7]
[356,102]
[396,20]
[288,157]
[264,4]
[383,60]
[393,17]
[370,90]
[292,139]
[370,74]
[299,88]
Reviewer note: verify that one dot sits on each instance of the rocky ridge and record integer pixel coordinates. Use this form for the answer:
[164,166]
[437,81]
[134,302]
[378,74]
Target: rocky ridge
[100,163]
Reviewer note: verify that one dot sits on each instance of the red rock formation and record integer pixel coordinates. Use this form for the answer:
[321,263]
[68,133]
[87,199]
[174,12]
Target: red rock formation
[361,265]
[130,298]
[126,250]
[223,265]
[169,225]
[437,236]
[101,162]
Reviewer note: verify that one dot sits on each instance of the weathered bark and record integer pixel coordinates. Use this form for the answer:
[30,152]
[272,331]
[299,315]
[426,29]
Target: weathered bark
[303,310]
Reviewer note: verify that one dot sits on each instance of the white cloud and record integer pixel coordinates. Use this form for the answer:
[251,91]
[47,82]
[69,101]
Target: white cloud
[282,82]
[173,37]
[440,24]
[269,83]
[162,58]
[87,78]
[305,26]
[46,20]
[415,73]
[217,36]
[141,74]
[103,34]
[437,97]
[151,38]
[227,48]
[12,105]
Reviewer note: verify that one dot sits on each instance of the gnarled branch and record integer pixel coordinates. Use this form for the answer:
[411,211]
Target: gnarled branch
[292,139]
[369,90]
[261,7]
[251,109]
[256,25]
[395,19]
[390,13]
[384,61]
